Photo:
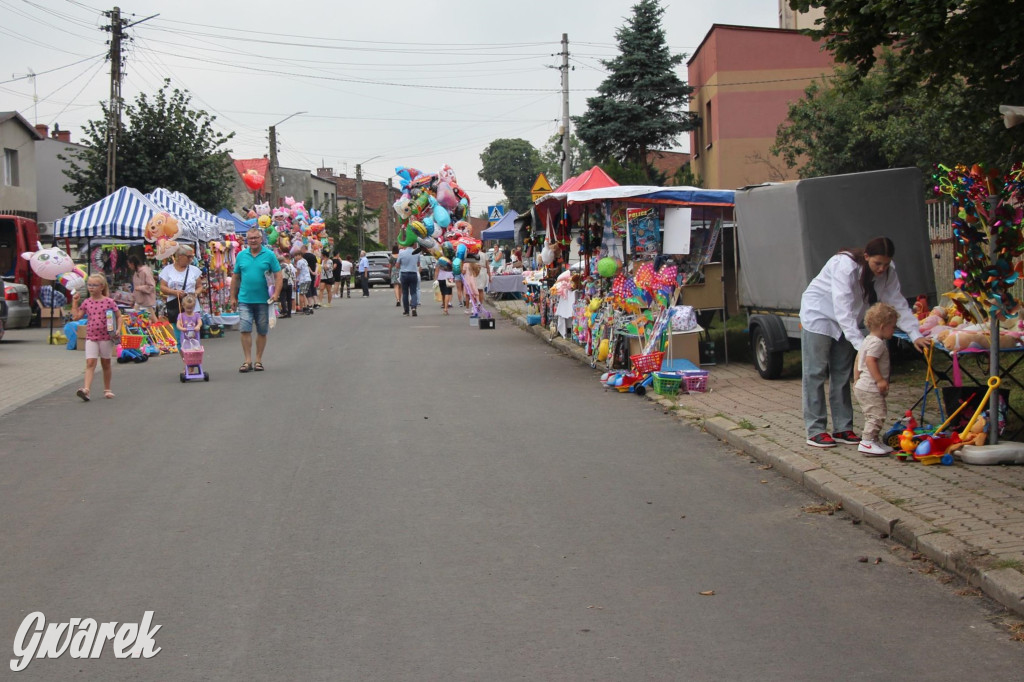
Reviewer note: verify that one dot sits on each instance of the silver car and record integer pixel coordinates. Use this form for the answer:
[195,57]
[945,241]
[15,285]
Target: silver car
[17,310]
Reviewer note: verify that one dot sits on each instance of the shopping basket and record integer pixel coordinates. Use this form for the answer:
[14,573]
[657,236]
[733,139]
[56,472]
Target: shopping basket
[647,363]
[131,341]
[696,382]
[666,384]
[193,356]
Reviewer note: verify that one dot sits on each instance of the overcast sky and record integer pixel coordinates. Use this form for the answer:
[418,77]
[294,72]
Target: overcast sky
[390,84]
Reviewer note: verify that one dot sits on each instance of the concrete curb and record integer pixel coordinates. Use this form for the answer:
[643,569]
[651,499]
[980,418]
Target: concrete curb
[1004,585]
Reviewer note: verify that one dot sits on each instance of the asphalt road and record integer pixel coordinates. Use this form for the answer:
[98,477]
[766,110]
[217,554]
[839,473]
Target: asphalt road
[412,499]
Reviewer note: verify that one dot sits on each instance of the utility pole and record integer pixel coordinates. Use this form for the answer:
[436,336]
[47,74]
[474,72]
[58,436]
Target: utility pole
[273,167]
[359,206]
[116,28]
[565,107]
[391,216]
[114,106]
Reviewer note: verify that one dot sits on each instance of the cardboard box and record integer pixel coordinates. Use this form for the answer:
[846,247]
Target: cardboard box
[707,295]
[80,340]
[685,346]
[46,313]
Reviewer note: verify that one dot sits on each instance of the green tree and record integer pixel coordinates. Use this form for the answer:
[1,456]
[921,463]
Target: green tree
[641,105]
[551,158]
[976,45]
[163,143]
[513,164]
[849,124]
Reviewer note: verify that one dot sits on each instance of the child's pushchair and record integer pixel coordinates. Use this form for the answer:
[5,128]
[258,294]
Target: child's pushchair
[192,353]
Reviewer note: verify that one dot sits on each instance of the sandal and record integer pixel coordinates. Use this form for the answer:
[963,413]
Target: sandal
[246,367]
[108,394]
[83,393]
[258,367]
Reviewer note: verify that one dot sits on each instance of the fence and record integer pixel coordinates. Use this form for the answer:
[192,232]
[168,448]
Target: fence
[940,236]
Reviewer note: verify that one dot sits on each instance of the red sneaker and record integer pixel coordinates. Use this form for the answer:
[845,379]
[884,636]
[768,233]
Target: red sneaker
[822,440]
[847,437]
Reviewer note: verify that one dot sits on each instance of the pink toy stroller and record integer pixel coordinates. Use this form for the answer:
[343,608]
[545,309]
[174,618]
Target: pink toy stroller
[192,353]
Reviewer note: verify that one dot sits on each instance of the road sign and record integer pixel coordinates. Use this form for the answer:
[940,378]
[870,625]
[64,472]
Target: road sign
[540,187]
[494,214]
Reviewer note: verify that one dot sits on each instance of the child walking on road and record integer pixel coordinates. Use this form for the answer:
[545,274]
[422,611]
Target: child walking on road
[871,376]
[104,321]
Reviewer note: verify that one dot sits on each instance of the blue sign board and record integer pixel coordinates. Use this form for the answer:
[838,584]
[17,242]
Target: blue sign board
[494,214]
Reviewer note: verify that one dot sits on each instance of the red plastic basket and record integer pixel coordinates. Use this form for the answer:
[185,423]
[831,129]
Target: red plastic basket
[193,356]
[131,341]
[647,363]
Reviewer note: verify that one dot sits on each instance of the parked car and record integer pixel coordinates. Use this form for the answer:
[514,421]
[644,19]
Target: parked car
[427,266]
[380,271]
[17,309]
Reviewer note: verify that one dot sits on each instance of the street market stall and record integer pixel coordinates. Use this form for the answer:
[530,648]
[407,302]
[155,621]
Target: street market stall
[644,275]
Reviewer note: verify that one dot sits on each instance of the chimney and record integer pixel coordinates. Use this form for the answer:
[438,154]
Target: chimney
[63,135]
[43,129]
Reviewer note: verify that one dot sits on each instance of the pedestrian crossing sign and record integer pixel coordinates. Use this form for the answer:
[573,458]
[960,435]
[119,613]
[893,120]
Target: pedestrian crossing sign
[494,214]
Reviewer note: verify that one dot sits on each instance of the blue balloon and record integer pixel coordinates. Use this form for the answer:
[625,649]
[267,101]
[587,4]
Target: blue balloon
[457,266]
[441,215]
[460,251]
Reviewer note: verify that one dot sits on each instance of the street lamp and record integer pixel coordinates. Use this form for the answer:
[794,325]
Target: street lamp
[273,158]
[359,201]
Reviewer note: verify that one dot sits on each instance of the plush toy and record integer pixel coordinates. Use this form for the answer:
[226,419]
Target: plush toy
[933,319]
[978,435]
[920,307]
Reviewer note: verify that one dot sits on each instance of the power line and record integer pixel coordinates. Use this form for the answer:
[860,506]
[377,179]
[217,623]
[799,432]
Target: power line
[40,73]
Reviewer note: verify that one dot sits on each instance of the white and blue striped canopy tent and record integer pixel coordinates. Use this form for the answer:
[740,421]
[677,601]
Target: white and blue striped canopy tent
[190,223]
[213,225]
[123,215]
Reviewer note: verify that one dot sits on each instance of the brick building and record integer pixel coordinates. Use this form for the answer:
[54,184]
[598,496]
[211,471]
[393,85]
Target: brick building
[744,79]
[376,195]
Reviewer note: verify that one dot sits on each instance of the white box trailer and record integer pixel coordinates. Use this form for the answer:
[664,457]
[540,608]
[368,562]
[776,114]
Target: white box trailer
[787,231]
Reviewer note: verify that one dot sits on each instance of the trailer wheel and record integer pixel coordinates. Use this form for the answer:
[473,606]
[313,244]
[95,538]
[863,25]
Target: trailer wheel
[768,363]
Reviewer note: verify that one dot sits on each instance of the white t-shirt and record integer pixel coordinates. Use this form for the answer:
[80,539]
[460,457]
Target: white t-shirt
[346,268]
[876,348]
[172,279]
[302,271]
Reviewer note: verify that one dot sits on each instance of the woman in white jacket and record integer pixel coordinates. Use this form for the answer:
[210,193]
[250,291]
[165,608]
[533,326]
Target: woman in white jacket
[831,309]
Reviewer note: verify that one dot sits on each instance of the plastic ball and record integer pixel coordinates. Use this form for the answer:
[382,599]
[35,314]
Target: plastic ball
[607,267]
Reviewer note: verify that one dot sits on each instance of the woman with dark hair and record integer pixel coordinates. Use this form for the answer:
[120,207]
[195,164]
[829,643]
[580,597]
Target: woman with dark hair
[143,284]
[831,310]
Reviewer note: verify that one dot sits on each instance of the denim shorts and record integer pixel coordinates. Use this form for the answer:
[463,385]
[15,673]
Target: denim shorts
[248,313]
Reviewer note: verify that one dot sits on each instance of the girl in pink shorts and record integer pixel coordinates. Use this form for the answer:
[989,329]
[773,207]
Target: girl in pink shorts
[104,319]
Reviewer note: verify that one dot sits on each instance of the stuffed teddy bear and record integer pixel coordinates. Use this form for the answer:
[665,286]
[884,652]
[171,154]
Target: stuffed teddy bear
[978,435]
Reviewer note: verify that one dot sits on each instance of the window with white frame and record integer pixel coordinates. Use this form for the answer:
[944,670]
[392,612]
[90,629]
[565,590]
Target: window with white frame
[11,167]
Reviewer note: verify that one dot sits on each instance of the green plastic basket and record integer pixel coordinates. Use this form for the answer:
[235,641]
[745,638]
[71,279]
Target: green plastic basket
[666,385]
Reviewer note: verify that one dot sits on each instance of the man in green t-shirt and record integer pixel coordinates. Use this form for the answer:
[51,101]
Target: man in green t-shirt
[249,292]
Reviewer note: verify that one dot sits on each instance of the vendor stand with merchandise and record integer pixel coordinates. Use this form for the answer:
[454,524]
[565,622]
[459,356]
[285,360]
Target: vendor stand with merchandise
[618,304]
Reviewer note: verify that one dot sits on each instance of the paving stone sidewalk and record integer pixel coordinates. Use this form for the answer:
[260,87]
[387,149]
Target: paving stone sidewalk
[967,519]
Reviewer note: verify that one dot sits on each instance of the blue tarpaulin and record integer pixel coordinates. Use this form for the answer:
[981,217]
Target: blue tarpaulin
[237,224]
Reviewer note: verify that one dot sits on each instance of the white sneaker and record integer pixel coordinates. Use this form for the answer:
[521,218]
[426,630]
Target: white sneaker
[872,449]
[885,446]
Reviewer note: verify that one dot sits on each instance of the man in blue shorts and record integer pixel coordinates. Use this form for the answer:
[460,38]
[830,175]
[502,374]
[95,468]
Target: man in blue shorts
[249,292]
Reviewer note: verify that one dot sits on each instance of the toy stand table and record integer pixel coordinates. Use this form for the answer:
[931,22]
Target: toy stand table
[506,286]
[973,364]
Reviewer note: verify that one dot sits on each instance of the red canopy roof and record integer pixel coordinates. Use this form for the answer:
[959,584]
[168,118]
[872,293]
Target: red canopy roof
[595,178]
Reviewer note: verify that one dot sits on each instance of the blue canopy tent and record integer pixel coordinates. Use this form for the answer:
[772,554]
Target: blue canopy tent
[123,215]
[503,229]
[237,224]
